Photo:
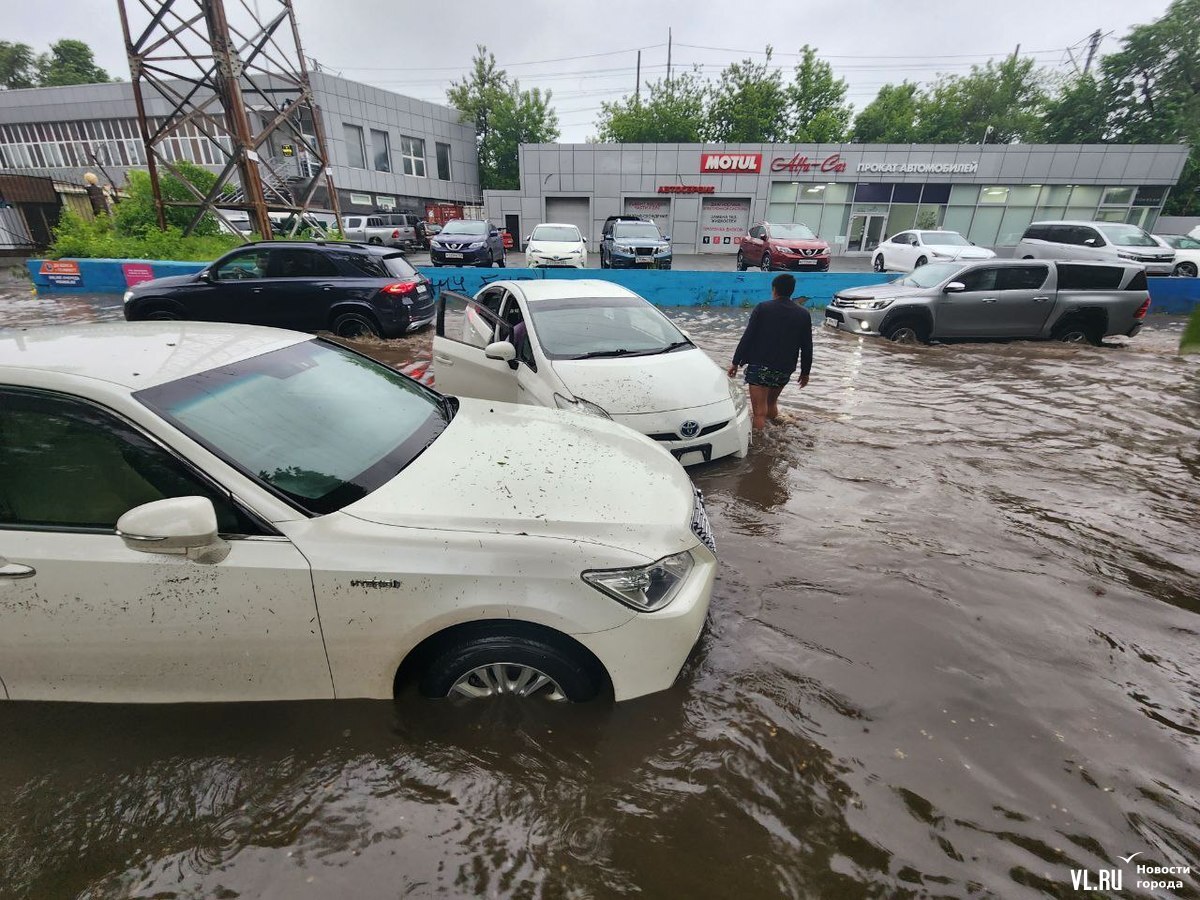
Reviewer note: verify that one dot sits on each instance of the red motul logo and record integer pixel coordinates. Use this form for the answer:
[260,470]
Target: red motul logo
[730,162]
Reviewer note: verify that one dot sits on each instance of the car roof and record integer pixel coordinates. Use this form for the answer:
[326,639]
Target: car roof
[136,355]
[357,246]
[567,289]
[1075,222]
[557,225]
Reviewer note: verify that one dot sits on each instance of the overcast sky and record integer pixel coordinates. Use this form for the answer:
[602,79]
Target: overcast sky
[586,52]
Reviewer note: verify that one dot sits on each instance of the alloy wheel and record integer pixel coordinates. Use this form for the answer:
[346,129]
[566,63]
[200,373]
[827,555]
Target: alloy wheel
[1186,270]
[497,679]
[878,265]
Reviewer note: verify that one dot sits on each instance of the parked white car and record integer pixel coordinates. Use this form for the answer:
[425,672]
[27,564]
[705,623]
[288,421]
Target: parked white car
[910,250]
[1187,253]
[553,245]
[1114,242]
[195,511]
[596,348]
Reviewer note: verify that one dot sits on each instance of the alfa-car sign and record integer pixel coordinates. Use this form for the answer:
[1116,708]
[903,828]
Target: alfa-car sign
[801,163]
[731,162]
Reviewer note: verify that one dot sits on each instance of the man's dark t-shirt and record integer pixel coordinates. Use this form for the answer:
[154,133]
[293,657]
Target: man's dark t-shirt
[778,333]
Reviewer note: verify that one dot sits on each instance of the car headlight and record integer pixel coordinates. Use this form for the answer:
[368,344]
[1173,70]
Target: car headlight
[1126,255]
[623,248]
[580,405]
[644,588]
[662,249]
[476,245]
[869,304]
[738,396]
[128,296]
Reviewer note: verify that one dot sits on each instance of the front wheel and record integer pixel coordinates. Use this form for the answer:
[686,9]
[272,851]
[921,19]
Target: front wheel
[161,314]
[355,325]
[921,260]
[906,331]
[493,666]
[878,265]
[741,262]
[765,264]
[1186,270]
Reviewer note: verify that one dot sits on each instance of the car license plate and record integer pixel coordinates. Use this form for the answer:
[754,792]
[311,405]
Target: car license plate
[831,321]
[807,262]
[645,260]
[454,256]
[691,457]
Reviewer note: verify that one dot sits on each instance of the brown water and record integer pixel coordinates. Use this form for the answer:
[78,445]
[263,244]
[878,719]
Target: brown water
[954,651]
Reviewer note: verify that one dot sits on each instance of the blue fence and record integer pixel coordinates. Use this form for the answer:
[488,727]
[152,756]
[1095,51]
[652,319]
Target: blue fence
[674,288]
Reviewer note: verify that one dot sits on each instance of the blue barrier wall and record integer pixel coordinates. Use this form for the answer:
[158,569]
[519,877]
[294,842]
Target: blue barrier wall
[1178,296]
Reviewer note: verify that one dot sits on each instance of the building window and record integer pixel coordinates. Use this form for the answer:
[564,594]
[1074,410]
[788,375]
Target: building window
[443,161]
[381,151]
[412,151]
[356,153]
[1117,196]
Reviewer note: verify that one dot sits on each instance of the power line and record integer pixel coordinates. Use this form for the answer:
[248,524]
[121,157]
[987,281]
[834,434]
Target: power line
[872,56]
[536,62]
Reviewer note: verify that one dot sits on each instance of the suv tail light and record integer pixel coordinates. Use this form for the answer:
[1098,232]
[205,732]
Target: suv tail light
[1143,309]
[400,288]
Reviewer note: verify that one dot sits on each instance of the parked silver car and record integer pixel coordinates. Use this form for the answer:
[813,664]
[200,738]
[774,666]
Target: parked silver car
[386,229]
[1010,298]
[1104,241]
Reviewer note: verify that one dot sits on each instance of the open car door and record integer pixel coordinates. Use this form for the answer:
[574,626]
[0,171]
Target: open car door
[461,366]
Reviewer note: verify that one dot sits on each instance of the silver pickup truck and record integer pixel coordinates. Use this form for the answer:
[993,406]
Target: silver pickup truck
[386,229]
[1012,298]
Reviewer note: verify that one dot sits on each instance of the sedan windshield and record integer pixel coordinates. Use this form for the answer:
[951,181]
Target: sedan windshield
[563,233]
[464,226]
[313,422]
[1127,236]
[794,232]
[636,231]
[945,238]
[603,326]
[1181,242]
[930,275]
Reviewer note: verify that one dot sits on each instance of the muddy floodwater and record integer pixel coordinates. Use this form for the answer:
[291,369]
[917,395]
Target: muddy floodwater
[954,651]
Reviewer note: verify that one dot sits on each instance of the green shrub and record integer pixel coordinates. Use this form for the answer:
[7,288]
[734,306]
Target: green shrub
[101,239]
[1191,335]
[136,215]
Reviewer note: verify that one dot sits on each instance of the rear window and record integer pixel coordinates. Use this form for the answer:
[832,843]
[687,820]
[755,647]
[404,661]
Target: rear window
[1072,277]
[393,265]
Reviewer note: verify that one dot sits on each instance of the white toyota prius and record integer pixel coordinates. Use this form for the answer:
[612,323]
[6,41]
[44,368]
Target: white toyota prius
[591,347]
[195,511]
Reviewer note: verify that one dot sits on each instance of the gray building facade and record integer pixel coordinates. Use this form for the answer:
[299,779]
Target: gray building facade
[387,151]
[853,195]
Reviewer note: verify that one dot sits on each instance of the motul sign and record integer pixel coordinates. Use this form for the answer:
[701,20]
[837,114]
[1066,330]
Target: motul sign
[730,162]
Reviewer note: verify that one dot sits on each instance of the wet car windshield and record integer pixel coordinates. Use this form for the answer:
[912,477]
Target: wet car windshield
[464,226]
[639,231]
[1182,242]
[313,422]
[945,238]
[930,275]
[1127,236]
[796,232]
[566,233]
[603,326]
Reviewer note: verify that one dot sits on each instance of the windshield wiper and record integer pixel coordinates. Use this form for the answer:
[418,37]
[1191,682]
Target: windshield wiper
[675,345]
[597,353]
[448,406]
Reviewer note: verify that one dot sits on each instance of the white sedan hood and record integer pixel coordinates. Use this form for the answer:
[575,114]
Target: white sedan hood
[553,248]
[682,379]
[500,468]
[956,251]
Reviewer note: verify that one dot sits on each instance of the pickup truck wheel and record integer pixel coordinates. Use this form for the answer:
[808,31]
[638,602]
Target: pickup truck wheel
[907,331]
[1078,331]
[355,325]
[920,262]
[492,666]
[1186,270]
[877,264]
[378,242]
[1027,257]
[741,262]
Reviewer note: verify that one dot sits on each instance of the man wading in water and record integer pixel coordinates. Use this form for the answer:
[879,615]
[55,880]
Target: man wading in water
[779,332]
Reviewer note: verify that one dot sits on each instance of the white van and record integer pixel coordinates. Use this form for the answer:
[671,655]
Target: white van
[1106,241]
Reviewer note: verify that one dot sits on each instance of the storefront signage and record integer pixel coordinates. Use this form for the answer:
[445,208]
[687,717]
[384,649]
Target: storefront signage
[687,189]
[384,202]
[801,163]
[136,273]
[966,168]
[730,162]
[62,272]
[361,199]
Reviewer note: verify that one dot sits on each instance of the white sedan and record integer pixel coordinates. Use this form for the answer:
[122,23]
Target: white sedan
[194,512]
[910,250]
[1187,253]
[591,347]
[553,245]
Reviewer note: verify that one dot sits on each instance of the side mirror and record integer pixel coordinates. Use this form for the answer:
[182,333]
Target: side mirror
[527,239]
[667,238]
[955,287]
[185,526]
[495,233]
[501,350]
[206,275]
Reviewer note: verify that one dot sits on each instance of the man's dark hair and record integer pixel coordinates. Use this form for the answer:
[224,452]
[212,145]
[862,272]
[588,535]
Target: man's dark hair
[783,285]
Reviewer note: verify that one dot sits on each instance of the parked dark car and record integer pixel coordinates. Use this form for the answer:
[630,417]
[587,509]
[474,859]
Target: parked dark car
[353,290]
[629,242]
[467,242]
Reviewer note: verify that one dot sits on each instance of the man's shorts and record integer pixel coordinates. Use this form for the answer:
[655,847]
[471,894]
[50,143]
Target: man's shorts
[764,377]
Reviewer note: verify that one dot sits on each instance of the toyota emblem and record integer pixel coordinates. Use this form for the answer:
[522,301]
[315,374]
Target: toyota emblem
[690,428]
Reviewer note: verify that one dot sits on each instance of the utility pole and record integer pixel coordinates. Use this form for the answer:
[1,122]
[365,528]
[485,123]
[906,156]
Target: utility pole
[1093,46]
[637,91]
[668,55]
[1016,53]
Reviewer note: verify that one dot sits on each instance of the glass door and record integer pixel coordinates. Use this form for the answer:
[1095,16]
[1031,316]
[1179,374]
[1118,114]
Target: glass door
[866,231]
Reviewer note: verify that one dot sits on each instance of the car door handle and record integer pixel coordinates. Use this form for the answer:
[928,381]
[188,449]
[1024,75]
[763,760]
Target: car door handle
[988,300]
[1041,299]
[16,570]
[444,360]
[256,290]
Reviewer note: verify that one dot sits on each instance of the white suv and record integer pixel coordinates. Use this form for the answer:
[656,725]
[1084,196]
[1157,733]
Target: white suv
[1105,241]
[192,511]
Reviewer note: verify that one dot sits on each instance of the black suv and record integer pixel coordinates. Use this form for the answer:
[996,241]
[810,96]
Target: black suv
[631,242]
[353,290]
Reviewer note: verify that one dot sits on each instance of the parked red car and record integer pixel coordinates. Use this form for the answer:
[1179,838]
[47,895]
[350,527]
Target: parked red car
[792,246]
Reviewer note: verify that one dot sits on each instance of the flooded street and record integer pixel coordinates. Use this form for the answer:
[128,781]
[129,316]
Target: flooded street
[953,651]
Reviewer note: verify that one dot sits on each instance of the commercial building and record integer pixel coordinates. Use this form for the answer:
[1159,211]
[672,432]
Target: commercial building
[388,151]
[853,195]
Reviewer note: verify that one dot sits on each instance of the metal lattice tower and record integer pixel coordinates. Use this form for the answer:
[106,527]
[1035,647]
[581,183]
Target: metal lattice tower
[240,84]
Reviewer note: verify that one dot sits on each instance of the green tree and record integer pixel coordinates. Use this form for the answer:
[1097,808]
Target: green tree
[504,117]
[1078,113]
[1007,95]
[891,118]
[136,216]
[749,104]
[674,112]
[817,107]
[69,62]
[18,66]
